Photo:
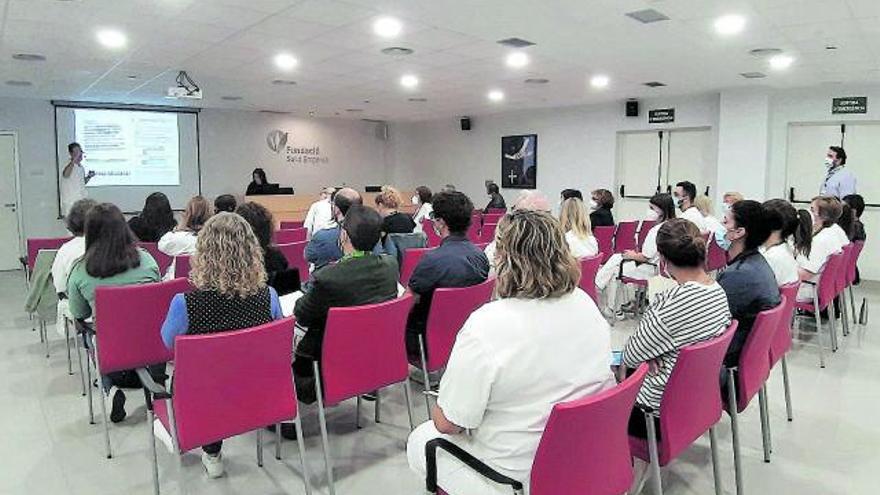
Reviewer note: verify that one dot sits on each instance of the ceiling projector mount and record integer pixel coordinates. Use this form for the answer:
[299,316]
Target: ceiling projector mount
[186,88]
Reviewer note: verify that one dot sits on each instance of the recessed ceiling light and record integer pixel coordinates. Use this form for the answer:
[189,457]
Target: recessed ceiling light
[599,81]
[284,82]
[397,51]
[781,61]
[536,80]
[20,84]
[387,27]
[111,38]
[517,60]
[29,57]
[285,61]
[730,24]
[496,95]
[230,98]
[311,113]
[409,81]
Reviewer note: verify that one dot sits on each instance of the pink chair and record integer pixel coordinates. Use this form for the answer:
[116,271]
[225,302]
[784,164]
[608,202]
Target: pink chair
[589,268]
[781,343]
[583,450]
[127,336]
[843,283]
[625,236]
[450,308]
[290,236]
[492,217]
[716,258]
[496,211]
[363,351]
[411,258]
[749,377]
[691,406]
[433,238]
[162,259]
[605,238]
[295,253]
[644,228]
[473,232]
[253,388]
[823,294]
[35,244]
[487,233]
[851,277]
[182,266]
[291,225]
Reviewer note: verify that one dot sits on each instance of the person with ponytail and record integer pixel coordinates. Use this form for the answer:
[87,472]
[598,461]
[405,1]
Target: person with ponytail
[828,238]
[803,235]
[782,218]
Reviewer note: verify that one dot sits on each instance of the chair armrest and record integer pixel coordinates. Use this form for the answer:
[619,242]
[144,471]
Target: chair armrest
[158,391]
[469,460]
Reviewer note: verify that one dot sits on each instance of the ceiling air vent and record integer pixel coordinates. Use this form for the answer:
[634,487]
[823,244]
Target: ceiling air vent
[654,84]
[515,42]
[753,75]
[647,16]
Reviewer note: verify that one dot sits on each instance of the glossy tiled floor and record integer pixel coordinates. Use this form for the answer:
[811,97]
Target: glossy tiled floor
[48,447]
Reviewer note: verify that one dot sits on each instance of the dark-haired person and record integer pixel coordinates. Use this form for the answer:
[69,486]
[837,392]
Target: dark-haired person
[263,225]
[785,226]
[324,247]
[73,178]
[111,258]
[456,262]
[225,202]
[839,181]
[155,220]
[847,221]
[359,278]
[258,183]
[828,238]
[496,200]
[69,253]
[685,195]
[857,203]
[748,279]
[601,203]
[422,199]
[693,311]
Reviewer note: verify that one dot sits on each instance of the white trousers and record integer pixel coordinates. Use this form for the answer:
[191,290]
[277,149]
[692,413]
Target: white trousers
[606,277]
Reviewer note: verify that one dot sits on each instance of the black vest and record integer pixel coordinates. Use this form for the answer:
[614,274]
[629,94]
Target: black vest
[209,311]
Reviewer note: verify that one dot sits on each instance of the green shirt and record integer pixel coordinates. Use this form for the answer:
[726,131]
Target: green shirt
[81,286]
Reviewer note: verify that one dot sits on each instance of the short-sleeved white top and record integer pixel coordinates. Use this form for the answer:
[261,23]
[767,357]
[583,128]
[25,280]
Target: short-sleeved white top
[826,242]
[781,260]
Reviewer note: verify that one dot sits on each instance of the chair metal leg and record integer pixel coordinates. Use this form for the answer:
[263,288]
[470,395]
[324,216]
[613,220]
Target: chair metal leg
[716,468]
[89,389]
[426,375]
[79,361]
[278,441]
[656,482]
[302,453]
[832,323]
[819,329]
[844,313]
[409,414]
[357,409]
[734,428]
[378,405]
[765,428]
[67,342]
[322,422]
[153,460]
[259,447]
[852,305]
[45,335]
[787,388]
[106,420]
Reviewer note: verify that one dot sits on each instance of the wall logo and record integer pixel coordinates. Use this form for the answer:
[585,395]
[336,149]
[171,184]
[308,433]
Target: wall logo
[276,140]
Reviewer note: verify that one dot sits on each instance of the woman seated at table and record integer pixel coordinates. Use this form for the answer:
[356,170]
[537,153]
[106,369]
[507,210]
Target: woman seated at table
[230,294]
[542,342]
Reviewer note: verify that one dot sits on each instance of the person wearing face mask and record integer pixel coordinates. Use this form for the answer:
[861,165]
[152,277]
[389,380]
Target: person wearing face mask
[839,181]
[320,214]
[685,194]
[785,224]
[828,238]
[601,203]
[422,199]
[323,247]
[748,279]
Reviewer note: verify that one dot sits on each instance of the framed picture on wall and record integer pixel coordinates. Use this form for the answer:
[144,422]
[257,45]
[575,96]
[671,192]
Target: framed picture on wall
[519,161]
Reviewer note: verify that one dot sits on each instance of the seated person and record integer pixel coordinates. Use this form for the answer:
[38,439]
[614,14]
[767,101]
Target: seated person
[359,278]
[496,200]
[393,221]
[455,263]
[748,279]
[323,247]
[857,203]
[575,223]
[694,311]
[263,225]
[685,195]
[542,342]
[111,258]
[155,220]
[182,240]
[69,253]
[320,214]
[422,199]
[259,184]
[828,239]
[230,294]
[601,203]
[785,225]
[530,200]
[225,202]
[712,224]
[847,221]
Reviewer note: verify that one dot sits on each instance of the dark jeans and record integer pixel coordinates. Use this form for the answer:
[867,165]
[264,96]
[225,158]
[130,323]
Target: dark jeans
[304,379]
[637,427]
[413,353]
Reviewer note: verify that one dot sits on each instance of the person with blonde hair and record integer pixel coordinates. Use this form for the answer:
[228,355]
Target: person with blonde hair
[828,238]
[230,294]
[575,223]
[541,342]
[393,221]
[182,240]
[528,200]
[710,221]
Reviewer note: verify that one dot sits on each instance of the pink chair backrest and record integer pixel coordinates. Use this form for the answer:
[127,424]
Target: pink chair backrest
[473,232]
[450,308]
[691,402]
[716,258]
[584,449]
[781,342]
[492,217]
[754,365]
[428,229]
[295,253]
[589,268]
[828,285]
[625,236]
[853,262]
[291,225]
[128,322]
[182,266]
[35,244]
[411,258]
[229,383]
[162,259]
[496,211]
[605,238]
[646,226]
[290,236]
[364,348]
[487,233]
[843,272]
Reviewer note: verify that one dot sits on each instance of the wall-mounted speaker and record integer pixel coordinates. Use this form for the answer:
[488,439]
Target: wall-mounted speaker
[632,108]
[465,123]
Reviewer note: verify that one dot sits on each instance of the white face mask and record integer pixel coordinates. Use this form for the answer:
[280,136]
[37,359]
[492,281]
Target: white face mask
[829,163]
[593,205]
[651,215]
[812,217]
[415,200]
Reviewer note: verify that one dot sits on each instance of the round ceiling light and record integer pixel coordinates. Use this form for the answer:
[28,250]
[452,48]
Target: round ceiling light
[727,25]
[111,38]
[496,95]
[517,60]
[781,61]
[599,81]
[409,81]
[285,61]
[387,27]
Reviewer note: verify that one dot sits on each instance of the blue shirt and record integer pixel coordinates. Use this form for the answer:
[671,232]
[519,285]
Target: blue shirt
[177,320]
[323,248]
[839,184]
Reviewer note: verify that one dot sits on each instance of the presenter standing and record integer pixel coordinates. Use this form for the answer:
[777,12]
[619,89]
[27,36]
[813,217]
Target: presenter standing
[839,182]
[74,178]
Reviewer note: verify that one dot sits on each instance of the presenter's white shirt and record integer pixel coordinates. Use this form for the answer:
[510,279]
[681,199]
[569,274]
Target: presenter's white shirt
[73,188]
[513,360]
[319,216]
[68,253]
[781,260]
[422,214]
[581,247]
[694,215]
[178,242]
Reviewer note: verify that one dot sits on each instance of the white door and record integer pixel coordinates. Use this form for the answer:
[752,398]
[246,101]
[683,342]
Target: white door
[805,171]
[10,240]
[638,173]
[689,158]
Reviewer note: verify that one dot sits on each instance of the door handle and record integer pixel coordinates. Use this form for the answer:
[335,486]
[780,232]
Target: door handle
[9,205]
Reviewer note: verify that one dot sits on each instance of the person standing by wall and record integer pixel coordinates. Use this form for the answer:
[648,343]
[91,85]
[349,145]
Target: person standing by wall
[839,181]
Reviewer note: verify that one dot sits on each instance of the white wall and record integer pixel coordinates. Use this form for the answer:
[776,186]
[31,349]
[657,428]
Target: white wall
[743,118]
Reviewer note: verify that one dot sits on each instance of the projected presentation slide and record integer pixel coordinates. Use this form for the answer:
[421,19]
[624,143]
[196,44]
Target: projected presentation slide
[129,148]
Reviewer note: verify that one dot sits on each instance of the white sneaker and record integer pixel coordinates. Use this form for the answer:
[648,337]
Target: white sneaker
[163,436]
[115,402]
[213,464]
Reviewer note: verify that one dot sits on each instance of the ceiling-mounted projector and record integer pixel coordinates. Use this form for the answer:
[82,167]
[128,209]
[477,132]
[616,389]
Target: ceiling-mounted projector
[186,88]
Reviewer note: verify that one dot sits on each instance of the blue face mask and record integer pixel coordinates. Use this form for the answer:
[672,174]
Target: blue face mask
[721,238]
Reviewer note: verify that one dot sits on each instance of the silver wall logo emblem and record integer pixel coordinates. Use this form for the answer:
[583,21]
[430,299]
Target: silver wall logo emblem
[276,140]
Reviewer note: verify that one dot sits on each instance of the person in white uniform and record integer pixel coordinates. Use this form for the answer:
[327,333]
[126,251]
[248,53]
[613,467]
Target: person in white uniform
[685,194]
[542,342]
[74,178]
[422,199]
[68,254]
[575,223]
[790,234]
[182,240]
[828,238]
[320,214]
